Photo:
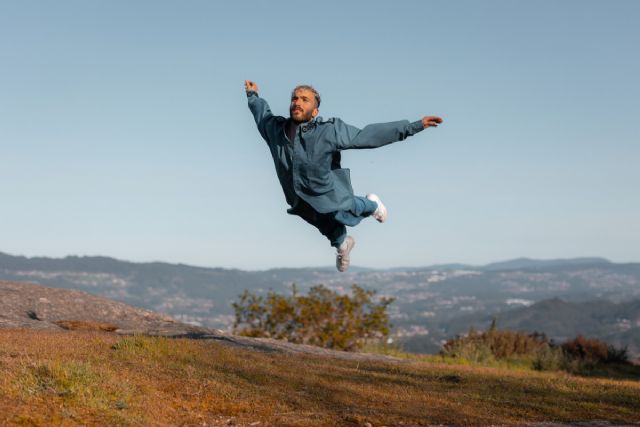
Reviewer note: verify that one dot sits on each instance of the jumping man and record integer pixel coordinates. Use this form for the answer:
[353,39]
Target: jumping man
[306,153]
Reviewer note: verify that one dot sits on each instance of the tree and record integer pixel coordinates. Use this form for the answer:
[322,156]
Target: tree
[323,317]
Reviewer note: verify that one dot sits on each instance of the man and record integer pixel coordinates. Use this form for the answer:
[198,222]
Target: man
[306,153]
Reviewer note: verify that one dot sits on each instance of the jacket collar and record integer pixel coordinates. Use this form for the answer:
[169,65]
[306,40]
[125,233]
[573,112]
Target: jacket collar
[307,126]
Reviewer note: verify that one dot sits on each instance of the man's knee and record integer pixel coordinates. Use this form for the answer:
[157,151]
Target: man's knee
[327,226]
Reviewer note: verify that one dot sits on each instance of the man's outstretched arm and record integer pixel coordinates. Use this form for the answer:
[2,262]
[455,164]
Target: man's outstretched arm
[259,108]
[380,134]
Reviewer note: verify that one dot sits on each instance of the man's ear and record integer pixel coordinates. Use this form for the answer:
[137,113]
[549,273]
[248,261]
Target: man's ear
[315,112]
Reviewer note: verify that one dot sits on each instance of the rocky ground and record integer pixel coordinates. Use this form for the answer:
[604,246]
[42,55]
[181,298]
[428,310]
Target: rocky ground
[31,306]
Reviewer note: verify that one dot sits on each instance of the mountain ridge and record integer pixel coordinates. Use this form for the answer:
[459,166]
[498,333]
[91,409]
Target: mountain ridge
[515,263]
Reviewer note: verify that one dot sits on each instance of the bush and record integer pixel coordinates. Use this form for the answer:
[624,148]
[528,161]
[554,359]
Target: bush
[494,344]
[323,317]
[549,358]
[586,349]
[580,355]
[593,350]
[617,355]
[472,348]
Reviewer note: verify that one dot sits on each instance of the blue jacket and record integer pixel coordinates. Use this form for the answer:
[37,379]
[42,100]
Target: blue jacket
[309,166]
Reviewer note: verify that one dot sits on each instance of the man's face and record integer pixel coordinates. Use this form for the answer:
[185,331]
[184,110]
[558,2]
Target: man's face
[303,106]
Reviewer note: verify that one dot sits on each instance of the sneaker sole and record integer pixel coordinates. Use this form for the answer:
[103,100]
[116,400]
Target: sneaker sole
[374,198]
[348,252]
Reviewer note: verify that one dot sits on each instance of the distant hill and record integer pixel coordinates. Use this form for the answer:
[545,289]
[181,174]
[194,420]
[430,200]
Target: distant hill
[527,263]
[514,264]
[431,304]
[442,267]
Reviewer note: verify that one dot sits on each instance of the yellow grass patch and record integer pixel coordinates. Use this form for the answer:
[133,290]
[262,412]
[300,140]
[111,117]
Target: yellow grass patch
[85,325]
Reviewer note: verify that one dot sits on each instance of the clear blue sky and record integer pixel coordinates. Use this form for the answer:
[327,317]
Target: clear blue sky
[124,129]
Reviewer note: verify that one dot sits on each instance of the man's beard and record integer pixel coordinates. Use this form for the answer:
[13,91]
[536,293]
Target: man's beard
[305,117]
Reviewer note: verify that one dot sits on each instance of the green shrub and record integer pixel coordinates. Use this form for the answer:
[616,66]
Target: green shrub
[549,358]
[582,356]
[617,355]
[323,317]
[494,344]
[469,348]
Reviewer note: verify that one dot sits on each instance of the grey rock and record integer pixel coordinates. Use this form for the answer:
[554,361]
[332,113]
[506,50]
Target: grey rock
[25,305]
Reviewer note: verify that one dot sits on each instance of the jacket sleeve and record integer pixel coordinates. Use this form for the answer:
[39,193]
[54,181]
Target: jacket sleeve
[374,135]
[261,113]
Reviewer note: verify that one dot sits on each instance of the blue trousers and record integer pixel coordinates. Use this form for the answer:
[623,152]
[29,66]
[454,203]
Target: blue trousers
[332,225]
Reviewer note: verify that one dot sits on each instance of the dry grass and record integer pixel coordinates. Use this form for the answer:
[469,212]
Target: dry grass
[85,325]
[94,378]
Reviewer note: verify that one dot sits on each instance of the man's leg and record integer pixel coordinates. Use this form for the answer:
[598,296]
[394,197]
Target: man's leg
[332,229]
[332,226]
[362,208]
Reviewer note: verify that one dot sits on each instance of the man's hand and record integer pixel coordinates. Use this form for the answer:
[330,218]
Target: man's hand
[250,86]
[431,121]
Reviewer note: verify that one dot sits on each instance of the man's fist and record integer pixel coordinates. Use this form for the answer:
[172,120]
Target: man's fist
[431,121]
[250,86]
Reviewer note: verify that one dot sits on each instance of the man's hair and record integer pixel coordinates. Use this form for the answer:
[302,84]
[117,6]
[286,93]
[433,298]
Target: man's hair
[307,87]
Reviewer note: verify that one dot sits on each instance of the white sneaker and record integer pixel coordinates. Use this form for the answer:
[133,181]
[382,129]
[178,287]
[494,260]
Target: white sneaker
[380,214]
[342,257]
